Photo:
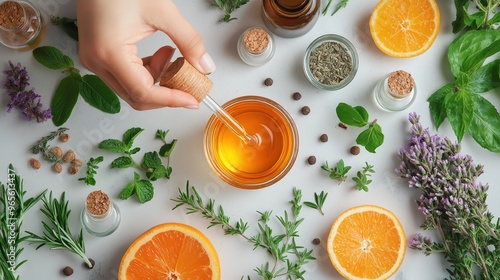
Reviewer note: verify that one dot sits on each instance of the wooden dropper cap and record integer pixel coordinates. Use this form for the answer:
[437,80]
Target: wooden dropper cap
[183,76]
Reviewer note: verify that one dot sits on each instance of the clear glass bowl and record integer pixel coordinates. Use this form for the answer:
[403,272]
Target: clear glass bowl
[351,50]
[250,166]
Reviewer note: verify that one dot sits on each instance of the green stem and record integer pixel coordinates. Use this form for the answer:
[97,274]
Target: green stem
[479,256]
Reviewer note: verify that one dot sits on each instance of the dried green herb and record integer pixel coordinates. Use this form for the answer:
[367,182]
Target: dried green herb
[42,145]
[330,63]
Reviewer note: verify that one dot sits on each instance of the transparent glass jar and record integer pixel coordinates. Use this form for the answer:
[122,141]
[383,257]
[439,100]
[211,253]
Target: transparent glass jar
[23,27]
[350,51]
[100,224]
[252,166]
[290,18]
[256,57]
[390,101]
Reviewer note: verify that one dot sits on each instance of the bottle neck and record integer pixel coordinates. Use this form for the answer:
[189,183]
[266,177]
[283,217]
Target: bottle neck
[292,7]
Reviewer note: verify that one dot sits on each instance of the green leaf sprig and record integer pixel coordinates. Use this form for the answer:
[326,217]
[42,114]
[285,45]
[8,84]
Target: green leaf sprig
[93,90]
[92,166]
[288,257]
[228,7]
[68,25]
[151,165]
[42,145]
[461,102]
[372,137]
[13,208]
[484,15]
[362,176]
[338,172]
[57,234]
[340,5]
[319,201]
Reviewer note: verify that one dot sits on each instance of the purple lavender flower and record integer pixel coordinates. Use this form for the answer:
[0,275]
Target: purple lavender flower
[27,101]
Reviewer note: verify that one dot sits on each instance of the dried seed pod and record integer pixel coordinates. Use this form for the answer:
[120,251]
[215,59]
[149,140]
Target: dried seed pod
[56,151]
[57,167]
[69,156]
[64,137]
[73,170]
[77,162]
[35,163]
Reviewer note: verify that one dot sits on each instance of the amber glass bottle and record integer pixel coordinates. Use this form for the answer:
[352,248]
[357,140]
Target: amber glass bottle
[290,18]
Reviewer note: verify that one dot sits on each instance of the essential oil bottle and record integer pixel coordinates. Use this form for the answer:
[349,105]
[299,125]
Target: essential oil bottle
[290,18]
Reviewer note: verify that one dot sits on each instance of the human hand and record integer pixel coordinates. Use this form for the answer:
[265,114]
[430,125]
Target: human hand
[108,32]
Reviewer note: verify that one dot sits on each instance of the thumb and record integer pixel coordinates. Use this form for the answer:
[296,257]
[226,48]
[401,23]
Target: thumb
[184,36]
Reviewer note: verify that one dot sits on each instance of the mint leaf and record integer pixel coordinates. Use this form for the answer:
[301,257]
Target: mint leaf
[97,94]
[52,58]
[459,109]
[371,138]
[485,78]
[161,134]
[130,135]
[462,7]
[134,151]
[166,149]
[485,124]
[354,116]
[144,191]
[65,98]
[128,191]
[151,160]
[436,104]
[122,162]
[112,145]
[156,173]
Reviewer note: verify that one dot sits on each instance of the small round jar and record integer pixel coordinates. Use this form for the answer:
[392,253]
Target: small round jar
[398,98]
[290,18]
[252,166]
[21,25]
[256,46]
[338,55]
[100,216]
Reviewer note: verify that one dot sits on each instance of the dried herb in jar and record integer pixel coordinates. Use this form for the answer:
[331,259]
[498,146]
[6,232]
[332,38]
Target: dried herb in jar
[330,63]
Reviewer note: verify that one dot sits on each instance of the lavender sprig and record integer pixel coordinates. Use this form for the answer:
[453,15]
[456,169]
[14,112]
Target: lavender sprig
[27,101]
[453,202]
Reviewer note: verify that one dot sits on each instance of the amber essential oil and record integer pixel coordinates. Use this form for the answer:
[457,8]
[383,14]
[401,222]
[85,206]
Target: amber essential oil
[252,165]
[290,18]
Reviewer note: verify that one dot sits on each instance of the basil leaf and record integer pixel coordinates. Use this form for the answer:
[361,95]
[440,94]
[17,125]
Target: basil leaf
[96,93]
[112,145]
[166,149]
[459,109]
[65,98]
[469,51]
[371,138]
[436,104]
[122,162]
[494,19]
[144,190]
[52,58]
[128,191]
[485,124]
[485,78]
[476,20]
[354,116]
[130,135]
[462,7]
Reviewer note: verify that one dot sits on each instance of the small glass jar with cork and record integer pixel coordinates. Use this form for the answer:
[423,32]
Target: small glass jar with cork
[21,25]
[100,216]
[256,46]
[396,91]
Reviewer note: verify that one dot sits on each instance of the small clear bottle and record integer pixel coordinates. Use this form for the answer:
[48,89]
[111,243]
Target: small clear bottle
[21,25]
[396,91]
[100,216]
[256,46]
[290,18]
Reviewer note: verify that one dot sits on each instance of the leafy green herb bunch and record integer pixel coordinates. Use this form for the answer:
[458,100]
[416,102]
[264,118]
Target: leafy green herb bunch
[453,202]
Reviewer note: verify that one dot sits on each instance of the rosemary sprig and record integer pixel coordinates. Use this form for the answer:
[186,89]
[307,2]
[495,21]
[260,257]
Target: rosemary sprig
[42,145]
[58,236]
[288,257]
[14,206]
[319,201]
[340,5]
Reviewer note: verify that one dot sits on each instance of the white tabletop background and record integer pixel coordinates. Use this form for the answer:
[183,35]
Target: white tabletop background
[233,78]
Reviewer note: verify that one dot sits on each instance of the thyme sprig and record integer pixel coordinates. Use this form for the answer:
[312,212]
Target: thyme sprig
[338,172]
[57,234]
[319,201]
[14,206]
[92,166]
[288,257]
[228,7]
[362,176]
[42,145]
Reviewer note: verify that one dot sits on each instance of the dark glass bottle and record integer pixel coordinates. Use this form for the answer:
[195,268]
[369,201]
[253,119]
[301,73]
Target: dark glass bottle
[290,18]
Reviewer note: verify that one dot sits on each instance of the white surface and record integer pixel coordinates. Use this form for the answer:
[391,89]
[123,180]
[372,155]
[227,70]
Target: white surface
[234,78]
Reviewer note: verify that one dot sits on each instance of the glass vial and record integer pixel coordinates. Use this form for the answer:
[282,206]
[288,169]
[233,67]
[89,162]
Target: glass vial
[21,25]
[256,46]
[290,18]
[396,91]
[100,216]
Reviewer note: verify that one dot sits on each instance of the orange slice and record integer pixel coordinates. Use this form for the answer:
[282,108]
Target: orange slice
[170,251]
[366,242]
[405,28]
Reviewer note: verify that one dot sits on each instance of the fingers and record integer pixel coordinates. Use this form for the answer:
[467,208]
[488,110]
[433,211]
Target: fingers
[159,61]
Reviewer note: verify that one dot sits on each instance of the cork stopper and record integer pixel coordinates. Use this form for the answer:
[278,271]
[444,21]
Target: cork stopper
[183,76]
[98,203]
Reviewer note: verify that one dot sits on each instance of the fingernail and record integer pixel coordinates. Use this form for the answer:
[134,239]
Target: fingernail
[207,64]
[192,107]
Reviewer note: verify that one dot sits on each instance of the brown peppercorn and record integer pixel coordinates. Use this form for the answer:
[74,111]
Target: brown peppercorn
[35,163]
[305,110]
[343,126]
[268,82]
[69,156]
[73,170]
[316,241]
[57,167]
[77,162]
[67,271]
[311,160]
[355,150]
[296,96]
[56,151]
[92,262]
[323,138]
[64,137]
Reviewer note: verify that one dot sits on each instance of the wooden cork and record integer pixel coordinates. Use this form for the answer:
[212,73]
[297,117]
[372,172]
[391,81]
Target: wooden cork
[183,76]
